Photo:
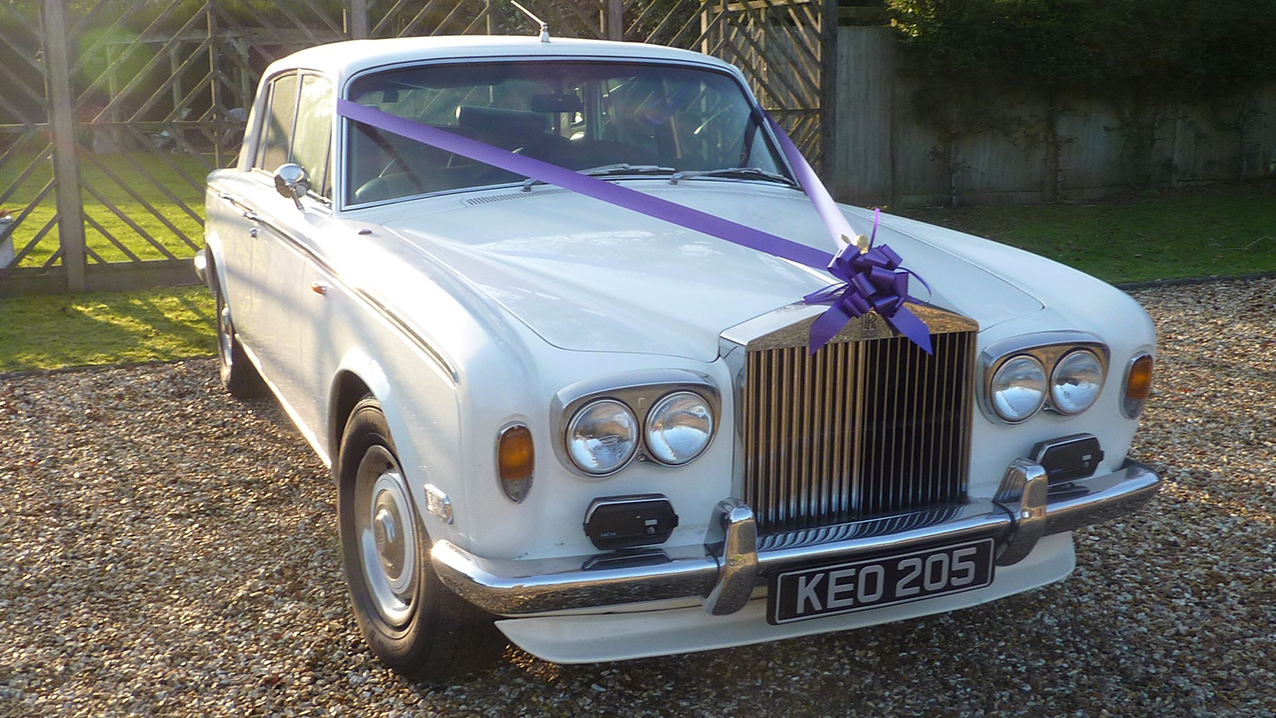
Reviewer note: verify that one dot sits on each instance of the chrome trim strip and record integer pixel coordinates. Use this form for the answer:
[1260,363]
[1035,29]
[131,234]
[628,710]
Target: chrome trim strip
[719,571]
[443,362]
[428,349]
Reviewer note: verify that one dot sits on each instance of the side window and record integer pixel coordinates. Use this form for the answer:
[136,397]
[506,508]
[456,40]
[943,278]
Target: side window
[312,141]
[273,147]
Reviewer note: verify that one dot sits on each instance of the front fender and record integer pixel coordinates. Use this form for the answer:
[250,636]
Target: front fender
[408,406]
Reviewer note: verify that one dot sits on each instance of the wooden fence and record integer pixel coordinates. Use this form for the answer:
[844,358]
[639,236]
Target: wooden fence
[112,112]
[889,148]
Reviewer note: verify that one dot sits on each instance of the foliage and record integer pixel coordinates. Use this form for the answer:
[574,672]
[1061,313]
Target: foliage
[1146,57]
[1172,48]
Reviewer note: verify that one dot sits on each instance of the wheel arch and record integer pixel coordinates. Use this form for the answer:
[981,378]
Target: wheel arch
[213,254]
[347,389]
[354,380]
[419,454]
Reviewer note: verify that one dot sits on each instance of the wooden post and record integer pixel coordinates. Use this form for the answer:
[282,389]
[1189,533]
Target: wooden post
[710,39]
[615,19]
[113,87]
[66,167]
[176,88]
[828,91]
[245,82]
[357,19]
[214,92]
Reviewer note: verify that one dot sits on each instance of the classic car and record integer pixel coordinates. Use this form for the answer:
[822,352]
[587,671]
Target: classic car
[607,432]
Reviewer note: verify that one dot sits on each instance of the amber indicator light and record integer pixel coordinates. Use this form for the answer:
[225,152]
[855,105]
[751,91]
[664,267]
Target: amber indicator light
[515,454]
[1139,385]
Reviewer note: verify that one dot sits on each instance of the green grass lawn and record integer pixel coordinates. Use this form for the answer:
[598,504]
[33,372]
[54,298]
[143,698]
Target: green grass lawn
[47,332]
[1168,235]
[1223,231]
[120,180]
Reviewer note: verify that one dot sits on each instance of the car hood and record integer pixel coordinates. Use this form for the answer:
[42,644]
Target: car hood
[587,276]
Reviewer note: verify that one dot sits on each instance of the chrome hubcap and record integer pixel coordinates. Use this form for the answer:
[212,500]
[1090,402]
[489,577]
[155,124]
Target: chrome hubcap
[387,536]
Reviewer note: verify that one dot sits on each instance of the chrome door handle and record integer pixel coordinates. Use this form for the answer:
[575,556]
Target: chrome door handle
[226,196]
[252,216]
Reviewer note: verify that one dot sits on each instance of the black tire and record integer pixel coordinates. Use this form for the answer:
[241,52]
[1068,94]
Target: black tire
[438,636]
[238,374]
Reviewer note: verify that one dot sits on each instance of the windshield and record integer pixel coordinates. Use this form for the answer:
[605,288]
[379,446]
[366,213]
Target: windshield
[578,115]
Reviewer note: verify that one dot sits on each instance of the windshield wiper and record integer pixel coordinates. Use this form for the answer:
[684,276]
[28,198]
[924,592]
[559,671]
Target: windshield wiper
[745,172]
[621,168]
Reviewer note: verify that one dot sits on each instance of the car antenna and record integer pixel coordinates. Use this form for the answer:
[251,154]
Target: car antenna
[544,25]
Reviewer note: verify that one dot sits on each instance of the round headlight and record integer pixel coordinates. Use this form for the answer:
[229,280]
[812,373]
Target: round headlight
[1076,382]
[1018,388]
[602,437]
[679,428]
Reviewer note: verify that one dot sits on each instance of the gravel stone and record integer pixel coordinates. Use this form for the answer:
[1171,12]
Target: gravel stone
[167,550]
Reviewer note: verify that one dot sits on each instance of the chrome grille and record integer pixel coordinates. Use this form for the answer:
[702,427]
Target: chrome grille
[868,426]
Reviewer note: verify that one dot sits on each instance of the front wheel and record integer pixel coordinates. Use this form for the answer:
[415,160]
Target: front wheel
[408,617]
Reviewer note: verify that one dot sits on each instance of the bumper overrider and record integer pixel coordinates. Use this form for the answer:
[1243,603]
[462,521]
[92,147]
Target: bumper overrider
[733,561]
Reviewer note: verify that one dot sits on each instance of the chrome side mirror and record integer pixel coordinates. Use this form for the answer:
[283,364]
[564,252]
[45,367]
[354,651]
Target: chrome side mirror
[292,181]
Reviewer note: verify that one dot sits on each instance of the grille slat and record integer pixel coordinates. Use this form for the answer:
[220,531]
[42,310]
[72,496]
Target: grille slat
[866,427]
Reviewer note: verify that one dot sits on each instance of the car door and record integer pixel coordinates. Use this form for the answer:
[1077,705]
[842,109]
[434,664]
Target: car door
[296,283]
[280,252]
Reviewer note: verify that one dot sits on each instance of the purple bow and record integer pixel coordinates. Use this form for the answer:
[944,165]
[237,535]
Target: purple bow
[871,280]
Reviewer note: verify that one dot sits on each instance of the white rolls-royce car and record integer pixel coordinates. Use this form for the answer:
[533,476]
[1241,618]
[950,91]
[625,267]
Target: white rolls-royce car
[560,317]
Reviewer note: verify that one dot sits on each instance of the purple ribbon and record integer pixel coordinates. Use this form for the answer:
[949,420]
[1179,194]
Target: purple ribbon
[842,309]
[872,280]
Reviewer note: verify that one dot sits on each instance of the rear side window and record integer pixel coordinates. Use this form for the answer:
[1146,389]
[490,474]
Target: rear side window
[279,123]
[311,144]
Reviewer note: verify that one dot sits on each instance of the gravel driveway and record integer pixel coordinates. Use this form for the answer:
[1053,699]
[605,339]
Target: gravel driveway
[167,550]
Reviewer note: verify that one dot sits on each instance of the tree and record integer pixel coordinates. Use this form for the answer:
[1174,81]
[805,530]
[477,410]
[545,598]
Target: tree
[1146,56]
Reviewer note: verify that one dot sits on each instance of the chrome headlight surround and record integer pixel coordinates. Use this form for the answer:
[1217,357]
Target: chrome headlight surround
[1048,348]
[641,391]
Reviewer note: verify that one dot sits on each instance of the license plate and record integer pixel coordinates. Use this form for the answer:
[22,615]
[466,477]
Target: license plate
[872,583]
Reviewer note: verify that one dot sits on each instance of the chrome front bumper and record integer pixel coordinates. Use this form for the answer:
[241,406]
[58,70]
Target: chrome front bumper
[733,560]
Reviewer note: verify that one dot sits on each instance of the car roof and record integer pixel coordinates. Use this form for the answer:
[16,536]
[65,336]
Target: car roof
[345,59]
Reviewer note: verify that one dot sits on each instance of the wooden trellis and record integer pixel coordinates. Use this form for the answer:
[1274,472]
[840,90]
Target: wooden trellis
[112,112]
